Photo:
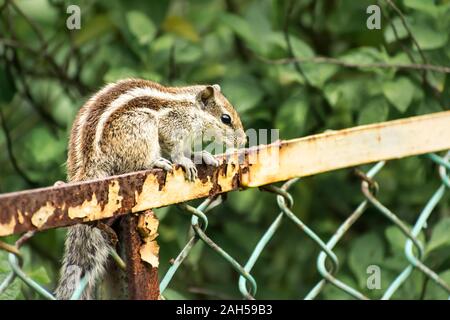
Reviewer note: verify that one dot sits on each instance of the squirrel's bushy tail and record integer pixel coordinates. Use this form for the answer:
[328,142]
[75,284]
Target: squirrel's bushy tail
[86,254]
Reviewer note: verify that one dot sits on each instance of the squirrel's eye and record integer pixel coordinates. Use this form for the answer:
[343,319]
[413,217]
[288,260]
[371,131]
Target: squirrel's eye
[225,118]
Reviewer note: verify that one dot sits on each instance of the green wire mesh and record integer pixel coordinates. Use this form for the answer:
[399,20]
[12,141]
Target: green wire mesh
[247,284]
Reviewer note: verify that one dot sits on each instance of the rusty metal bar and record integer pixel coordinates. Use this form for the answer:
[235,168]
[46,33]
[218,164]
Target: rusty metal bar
[142,276]
[65,205]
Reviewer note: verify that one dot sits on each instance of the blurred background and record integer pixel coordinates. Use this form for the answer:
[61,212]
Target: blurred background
[47,72]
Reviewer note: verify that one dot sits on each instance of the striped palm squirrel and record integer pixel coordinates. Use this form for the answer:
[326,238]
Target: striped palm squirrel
[132,125]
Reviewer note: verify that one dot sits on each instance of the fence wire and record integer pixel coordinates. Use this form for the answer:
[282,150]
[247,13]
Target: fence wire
[413,249]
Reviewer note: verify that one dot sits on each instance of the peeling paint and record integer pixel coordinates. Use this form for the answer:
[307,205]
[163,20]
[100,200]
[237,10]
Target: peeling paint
[20,216]
[93,209]
[147,227]
[7,228]
[149,253]
[41,216]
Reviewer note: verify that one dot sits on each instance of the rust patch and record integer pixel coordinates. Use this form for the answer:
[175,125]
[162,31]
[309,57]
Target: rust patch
[142,278]
[236,182]
[210,173]
[207,173]
[161,177]
[19,208]
[129,186]
[93,209]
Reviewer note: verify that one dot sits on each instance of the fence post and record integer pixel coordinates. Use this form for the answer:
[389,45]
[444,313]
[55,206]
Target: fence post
[141,253]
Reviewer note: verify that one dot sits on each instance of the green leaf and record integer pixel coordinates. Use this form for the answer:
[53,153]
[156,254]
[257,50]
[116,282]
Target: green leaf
[243,30]
[12,292]
[376,110]
[397,240]
[95,28]
[362,55]
[440,236]
[389,34]
[318,74]
[426,6]
[243,92]
[188,53]
[254,27]
[155,10]
[40,275]
[291,118]
[399,93]
[44,147]
[434,291]
[39,11]
[366,250]
[346,94]
[4,264]
[300,48]
[141,27]
[181,27]
[428,37]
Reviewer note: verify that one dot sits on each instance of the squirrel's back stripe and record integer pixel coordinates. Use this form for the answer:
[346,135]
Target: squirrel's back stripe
[151,92]
[75,157]
[86,122]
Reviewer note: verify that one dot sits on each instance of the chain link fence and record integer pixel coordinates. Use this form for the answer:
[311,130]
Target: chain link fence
[247,284]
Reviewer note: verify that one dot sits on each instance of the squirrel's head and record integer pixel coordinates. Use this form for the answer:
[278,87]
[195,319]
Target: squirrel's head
[225,123]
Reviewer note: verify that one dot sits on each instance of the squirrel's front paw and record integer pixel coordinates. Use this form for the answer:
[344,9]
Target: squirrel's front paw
[209,159]
[189,168]
[162,163]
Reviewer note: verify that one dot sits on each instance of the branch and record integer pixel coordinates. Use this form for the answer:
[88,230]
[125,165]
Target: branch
[425,81]
[408,30]
[288,41]
[32,24]
[396,35]
[59,71]
[335,61]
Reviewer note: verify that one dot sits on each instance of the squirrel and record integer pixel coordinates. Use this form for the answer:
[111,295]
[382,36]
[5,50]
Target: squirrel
[132,125]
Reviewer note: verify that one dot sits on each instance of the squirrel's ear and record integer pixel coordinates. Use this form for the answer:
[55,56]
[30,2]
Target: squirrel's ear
[206,95]
[216,87]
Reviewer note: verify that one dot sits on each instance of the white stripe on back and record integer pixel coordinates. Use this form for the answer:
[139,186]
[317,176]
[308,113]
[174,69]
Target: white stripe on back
[82,123]
[130,95]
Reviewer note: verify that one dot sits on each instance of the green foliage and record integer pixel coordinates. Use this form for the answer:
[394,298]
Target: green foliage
[230,42]
[440,236]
